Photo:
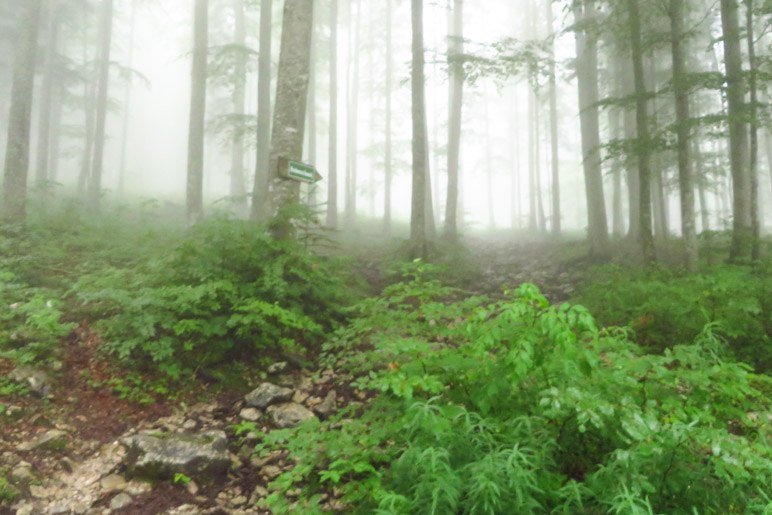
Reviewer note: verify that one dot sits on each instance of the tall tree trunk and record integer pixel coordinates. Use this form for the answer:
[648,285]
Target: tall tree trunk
[19,117]
[553,100]
[533,224]
[701,190]
[353,122]
[100,137]
[685,170]
[290,112]
[489,163]
[195,186]
[615,129]
[56,133]
[742,233]
[768,147]
[587,78]
[387,158]
[456,86]
[127,102]
[631,162]
[311,120]
[89,93]
[418,204]
[238,188]
[332,163]
[260,187]
[46,94]
[540,216]
[658,186]
[754,133]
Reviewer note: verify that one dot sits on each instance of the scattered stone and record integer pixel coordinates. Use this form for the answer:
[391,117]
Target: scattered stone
[56,365]
[278,367]
[35,379]
[22,474]
[271,472]
[192,487]
[239,501]
[313,401]
[259,492]
[161,456]
[113,482]
[52,439]
[289,414]
[300,397]
[120,501]
[328,406]
[267,394]
[189,424]
[251,414]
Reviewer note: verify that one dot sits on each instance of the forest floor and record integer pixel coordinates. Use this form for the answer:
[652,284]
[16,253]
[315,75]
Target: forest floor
[62,448]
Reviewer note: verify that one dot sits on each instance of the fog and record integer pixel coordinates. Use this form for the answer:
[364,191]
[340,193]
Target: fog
[505,166]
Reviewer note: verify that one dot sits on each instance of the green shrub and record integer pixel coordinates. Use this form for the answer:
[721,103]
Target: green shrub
[226,290]
[528,408]
[664,308]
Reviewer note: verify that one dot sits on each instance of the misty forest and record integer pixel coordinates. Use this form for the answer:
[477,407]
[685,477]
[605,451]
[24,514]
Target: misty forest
[386,256]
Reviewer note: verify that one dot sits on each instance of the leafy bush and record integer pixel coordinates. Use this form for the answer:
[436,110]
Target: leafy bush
[664,308]
[226,290]
[524,407]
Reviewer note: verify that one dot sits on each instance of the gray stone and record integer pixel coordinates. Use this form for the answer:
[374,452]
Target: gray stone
[267,394]
[251,414]
[328,405]
[289,414]
[162,455]
[279,366]
[35,379]
[22,474]
[50,439]
[120,501]
[113,482]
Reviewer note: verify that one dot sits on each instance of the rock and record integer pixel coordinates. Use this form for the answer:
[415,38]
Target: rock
[189,424]
[22,474]
[53,439]
[113,482]
[192,488]
[289,414]
[161,456]
[239,500]
[278,367]
[267,394]
[271,472]
[328,406]
[300,397]
[120,501]
[35,379]
[251,414]
[259,492]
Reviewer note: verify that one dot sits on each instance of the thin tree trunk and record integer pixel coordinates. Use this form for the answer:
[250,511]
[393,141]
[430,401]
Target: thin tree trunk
[685,170]
[540,216]
[587,78]
[768,146]
[646,239]
[46,95]
[290,111]
[704,209]
[418,207]
[631,162]
[554,152]
[387,158]
[311,115]
[262,160]
[100,136]
[238,188]
[532,146]
[127,103]
[332,163]
[19,118]
[742,233]
[195,185]
[56,133]
[353,123]
[615,129]
[754,133]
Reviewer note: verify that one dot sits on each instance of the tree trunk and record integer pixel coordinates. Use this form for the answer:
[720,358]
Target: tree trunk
[311,116]
[100,137]
[685,170]
[387,158]
[615,129]
[332,163]
[290,112]
[418,206]
[587,78]
[554,152]
[742,232]
[754,133]
[238,188]
[533,224]
[643,143]
[260,187]
[127,102]
[630,162]
[352,138]
[19,118]
[46,94]
[195,193]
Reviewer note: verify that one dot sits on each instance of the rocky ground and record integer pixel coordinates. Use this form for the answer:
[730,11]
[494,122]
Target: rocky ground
[73,446]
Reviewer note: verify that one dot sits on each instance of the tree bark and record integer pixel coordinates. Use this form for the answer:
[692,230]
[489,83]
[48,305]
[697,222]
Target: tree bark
[456,87]
[46,94]
[19,118]
[754,133]
[238,188]
[260,186]
[195,186]
[587,78]
[332,163]
[352,138]
[290,111]
[127,102]
[554,149]
[683,117]
[742,232]
[418,204]
[387,158]
[100,137]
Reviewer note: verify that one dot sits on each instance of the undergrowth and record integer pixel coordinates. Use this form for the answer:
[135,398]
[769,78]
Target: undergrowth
[524,407]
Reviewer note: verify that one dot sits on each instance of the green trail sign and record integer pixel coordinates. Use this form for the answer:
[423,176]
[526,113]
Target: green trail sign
[297,171]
